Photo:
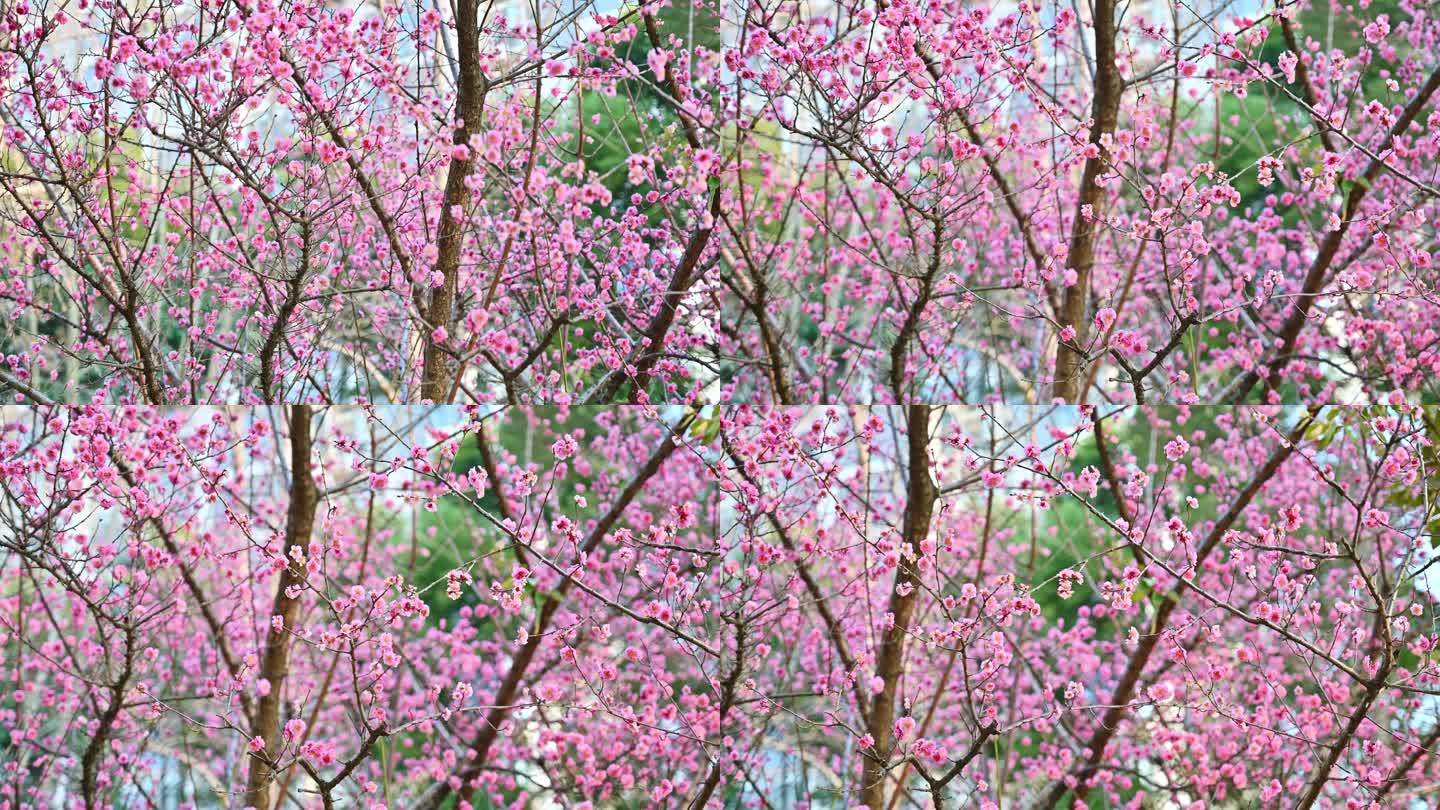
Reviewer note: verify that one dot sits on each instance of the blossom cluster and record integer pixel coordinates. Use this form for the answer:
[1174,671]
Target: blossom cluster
[719,403]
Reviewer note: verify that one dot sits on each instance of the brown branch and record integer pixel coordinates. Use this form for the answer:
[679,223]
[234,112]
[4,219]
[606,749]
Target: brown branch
[1125,689]
[812,587]
[727,701]
[1105,112]
[1398,774]
[1319,270]
[937,784]
[435,384]
[100,737]
[299,524]
[911,325]
[685,273]
[1302,78]
[756,300]
[654,335]
[505,696]
[919,506]
[1321,775]
[1336,748]
[294,289]
[172,547]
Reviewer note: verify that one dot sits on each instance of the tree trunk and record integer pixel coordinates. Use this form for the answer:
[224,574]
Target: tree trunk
[299,523]
[438,373]
[890,664]
[1105,112]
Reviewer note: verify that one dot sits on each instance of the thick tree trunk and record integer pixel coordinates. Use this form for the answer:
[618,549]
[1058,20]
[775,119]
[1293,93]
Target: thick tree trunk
[299,523]
[438,373]
[1105,112]
[890,662]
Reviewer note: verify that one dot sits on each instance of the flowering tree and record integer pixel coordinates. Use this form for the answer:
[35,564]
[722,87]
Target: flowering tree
[261,202]
[859,202]
[1030,202]
[738,606]
[718,404]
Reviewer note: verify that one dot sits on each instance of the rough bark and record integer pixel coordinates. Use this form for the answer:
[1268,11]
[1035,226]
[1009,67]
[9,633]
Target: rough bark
[890,661]
[1105,112]
[437,374]
[299,524]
